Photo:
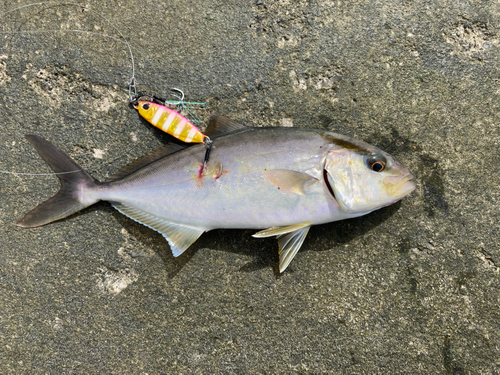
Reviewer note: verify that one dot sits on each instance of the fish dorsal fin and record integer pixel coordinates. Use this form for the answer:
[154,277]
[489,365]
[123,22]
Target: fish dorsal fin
[219,125]
[179,237]
[144,160]
[290,244]
[289,181]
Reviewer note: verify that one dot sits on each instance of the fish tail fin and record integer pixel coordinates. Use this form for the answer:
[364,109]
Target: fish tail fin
[75,182]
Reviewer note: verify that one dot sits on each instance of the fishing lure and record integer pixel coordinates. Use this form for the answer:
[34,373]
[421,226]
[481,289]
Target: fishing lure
[170,121]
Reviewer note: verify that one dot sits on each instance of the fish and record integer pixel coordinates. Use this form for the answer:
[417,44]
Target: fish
[279,181]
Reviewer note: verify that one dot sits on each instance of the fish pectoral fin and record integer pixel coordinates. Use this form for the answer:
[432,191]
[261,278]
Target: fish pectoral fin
[289,181]
[179,237]
[290,244]
[278,231]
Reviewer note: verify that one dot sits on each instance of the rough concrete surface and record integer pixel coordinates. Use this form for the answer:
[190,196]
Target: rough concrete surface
[412,288]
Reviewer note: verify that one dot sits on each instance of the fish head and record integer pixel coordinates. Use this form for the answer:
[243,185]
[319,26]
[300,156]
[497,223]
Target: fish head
[147,109]
[363,178]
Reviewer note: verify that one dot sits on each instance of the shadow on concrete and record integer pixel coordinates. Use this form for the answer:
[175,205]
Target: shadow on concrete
[263,251]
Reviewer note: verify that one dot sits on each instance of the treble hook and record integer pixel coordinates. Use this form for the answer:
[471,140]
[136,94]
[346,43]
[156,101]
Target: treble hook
[181,98]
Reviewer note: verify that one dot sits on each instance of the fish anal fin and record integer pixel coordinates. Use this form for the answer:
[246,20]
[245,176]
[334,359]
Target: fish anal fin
[289,181]
[289,245]
[180,237]
[219,125]
[147,159]
[277,231]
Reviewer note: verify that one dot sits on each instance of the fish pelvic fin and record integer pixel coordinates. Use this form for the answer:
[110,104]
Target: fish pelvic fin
[290,244]
[180,237]
[74,182]
[290,240]
[278,231]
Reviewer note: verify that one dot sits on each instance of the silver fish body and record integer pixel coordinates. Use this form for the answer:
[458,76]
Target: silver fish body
[284,179]
[233,191]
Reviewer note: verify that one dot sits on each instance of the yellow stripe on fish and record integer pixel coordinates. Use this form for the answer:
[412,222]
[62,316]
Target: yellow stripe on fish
[170,121]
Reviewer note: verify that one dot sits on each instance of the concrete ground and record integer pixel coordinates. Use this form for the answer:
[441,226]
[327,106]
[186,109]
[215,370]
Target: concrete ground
[412,288]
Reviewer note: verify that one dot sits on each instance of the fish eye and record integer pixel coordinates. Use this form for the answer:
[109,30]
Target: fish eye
[145,106]
[376,162]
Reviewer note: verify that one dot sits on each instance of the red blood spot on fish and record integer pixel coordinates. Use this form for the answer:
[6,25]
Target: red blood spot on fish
[214,170]
[200,172]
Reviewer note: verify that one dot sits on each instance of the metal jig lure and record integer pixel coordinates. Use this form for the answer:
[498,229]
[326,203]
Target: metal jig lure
[170,121]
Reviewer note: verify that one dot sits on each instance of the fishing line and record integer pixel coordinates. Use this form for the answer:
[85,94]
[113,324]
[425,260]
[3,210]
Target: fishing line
[132,82]
[40,174]
[64,31]
[132,89]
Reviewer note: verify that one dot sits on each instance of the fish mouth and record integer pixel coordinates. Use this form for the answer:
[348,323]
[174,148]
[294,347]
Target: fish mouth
[401,187]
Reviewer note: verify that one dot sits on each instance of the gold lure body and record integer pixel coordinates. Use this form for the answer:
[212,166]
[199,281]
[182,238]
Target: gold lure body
[170,122]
